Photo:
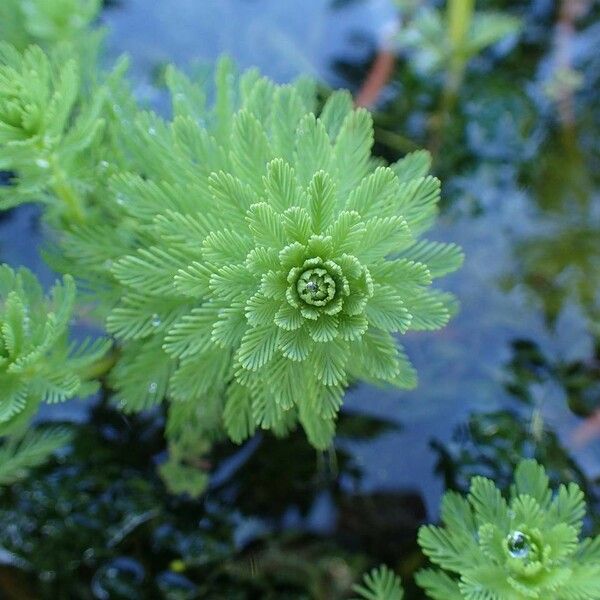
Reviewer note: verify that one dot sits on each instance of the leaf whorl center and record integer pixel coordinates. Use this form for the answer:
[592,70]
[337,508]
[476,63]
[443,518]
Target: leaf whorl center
[316,287]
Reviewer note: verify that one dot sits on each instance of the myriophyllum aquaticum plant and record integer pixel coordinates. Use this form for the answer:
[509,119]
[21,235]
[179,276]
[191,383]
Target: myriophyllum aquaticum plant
[380,584]
[253,258]
[50,23]
[493,549]
[278,260]
[526,547]
[44,131]
[38,363]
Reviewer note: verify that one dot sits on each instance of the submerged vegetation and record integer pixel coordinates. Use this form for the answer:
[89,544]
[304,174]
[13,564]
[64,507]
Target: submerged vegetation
[37,361]
[255,262]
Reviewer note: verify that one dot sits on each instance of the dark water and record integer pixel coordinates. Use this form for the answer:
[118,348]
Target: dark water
[522,198]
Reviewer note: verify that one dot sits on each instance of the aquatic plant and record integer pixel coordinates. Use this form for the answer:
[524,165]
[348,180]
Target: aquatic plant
[259,258]
[526,547]
[44,130]
[37,361]
[380,584]
[253,260]
[441,44]
[445,41]
[279,259]
[48,22]
[21,453]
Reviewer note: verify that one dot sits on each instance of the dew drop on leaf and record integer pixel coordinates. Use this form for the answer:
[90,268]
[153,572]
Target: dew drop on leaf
[153,387]
[518,544]
[155,320]
[42,163]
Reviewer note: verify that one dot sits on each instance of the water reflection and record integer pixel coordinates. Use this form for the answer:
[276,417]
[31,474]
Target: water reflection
[559,259]
[285,39]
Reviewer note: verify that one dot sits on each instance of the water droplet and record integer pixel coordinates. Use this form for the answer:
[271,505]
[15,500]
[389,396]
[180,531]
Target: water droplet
[156,321]
[151,130]
[153,387]
[120,199]
[104,164]
[518,544]
[42,163]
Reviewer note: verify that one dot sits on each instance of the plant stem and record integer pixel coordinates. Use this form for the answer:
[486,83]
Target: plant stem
[377,78]
[65,192]
[395,140]
[459,17]
[440,118]
[102,366]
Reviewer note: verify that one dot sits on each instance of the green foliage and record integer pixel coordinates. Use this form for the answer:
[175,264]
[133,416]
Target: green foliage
[58,20]
[47,22]
[37,361]
[46,129]
[254,259]
[277,260]
[527,547]
[184,472]
[446,41]
[20,453]
[380,584]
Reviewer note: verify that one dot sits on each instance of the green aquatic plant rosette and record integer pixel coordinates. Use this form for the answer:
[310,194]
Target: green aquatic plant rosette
[46,131]
[279,261]
[527,547]
[37,361]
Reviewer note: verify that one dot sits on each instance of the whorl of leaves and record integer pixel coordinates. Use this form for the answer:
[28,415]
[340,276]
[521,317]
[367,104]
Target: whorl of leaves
[439,39]
[44,127]
[279,259]
[527,547]
[380,584]
[37,361]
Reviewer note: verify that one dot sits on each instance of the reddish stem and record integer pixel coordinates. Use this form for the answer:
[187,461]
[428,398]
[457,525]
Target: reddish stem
[377,78]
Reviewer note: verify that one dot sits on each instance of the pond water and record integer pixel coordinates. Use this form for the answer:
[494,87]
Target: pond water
[522,199]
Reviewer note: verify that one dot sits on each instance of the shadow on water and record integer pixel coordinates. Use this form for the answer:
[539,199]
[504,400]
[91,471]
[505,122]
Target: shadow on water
[516,373]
